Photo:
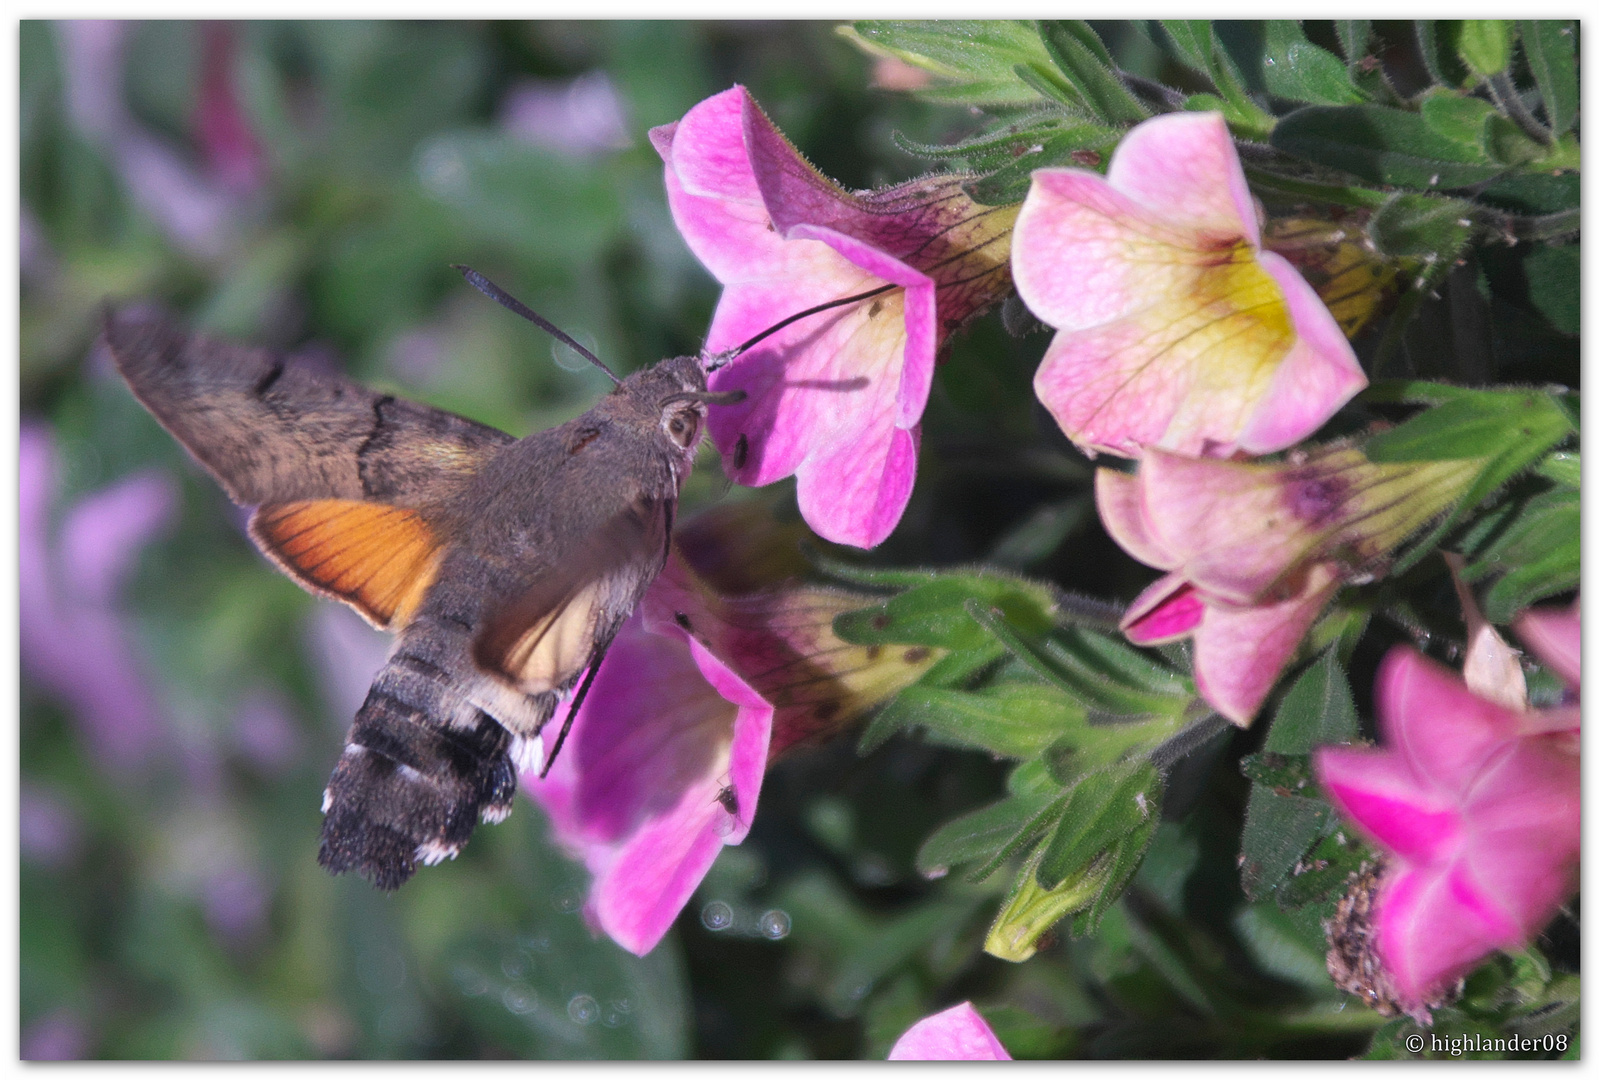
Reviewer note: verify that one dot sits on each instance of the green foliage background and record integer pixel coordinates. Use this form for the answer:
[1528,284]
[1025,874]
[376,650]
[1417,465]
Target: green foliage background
[386,164]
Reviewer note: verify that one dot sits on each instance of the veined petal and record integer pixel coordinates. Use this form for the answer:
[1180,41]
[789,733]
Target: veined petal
[957,1034]
[1317,376]
[1239,652]
[1185,372]
[636,791]
[1183,167]
[706,149]
[1085,254]
[1119,498]
[1231,525]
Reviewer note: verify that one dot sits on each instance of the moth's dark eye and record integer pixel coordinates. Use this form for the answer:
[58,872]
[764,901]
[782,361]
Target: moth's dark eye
[683,427]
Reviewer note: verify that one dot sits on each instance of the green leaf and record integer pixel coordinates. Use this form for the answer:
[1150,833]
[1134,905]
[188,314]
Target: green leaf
[1536,555]
[1553,278]
[1117,868]
[1431,227]
[1081,672]
[1381,145]
[1482,423]
[1196,45]
[1102,808]
[1010,182]
[1277,831]
[978,56]
[935,613]
[1294,68]
[1485,45]
[981,833]
[1436,41]
[1082,58]
[1564,467]
[1323,871]
[1317,710]
[1016,720]
[1550,47]
[1048,85]
[1534,193]
[1353,37]
[1458,118]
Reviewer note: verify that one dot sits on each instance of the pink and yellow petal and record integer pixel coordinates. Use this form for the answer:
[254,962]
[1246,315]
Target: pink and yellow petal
[1084,254]
[1316,377]
[1183,167]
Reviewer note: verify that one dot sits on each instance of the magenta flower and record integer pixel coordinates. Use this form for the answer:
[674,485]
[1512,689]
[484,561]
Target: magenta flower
[1254,551]
[1176,330]
[75,642]
[957,1034]
[835,399]
[662,768]
[1556,636]
[1480,818]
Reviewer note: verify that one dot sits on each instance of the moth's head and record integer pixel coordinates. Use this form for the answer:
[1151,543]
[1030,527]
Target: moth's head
[674,395]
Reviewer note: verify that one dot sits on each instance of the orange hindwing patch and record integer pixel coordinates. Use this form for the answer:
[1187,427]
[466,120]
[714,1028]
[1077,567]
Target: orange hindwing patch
[379,559]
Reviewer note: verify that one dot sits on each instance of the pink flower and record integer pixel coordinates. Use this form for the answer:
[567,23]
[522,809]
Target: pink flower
[222,128]
[1176,329]
[835,399]
[662,768]
[1254,551]
[1556,636]
[1481,819]
[75,642]
[957,1034]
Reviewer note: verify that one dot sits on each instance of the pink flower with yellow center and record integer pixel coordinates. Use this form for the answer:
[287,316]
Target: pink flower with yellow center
[1175,329]
[1253,552]
[1477,805]
[835,399]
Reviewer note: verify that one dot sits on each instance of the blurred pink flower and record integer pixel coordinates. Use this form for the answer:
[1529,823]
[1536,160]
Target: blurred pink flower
[227,142]
[836,399]
[75,643]
[1481,819]
[1176,329]
[957,1034]
[1254,551]
[1556,637]
[638,792]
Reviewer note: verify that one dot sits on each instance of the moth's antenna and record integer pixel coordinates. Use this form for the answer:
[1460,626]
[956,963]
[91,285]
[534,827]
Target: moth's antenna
[511,303]
[728,356]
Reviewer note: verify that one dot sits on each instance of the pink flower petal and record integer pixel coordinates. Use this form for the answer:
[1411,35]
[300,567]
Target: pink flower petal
[1380,794]
[1556,637]
[1428,929]
[1427,716]
[957,1034]
[1183,167]
[1119,498]
[1239,652]
[665,727]
[1168,609]
[1319,374]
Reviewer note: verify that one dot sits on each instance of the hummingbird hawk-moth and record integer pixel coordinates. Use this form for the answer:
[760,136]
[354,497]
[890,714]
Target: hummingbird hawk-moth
[504,566]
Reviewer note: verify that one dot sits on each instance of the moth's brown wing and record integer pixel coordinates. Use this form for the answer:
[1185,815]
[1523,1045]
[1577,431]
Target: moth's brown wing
[344,478]
[272,431]
[546,634]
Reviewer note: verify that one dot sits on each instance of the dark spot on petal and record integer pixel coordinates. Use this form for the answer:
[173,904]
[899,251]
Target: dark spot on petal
[682,620]
[874,651]
[918,655]
[741,452]
[877,306]
[1314,496]
[827,710]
